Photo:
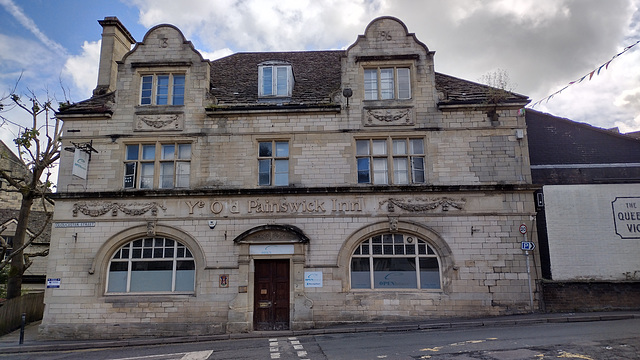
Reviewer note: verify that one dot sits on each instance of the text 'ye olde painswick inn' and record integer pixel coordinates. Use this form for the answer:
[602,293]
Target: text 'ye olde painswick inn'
[285,190]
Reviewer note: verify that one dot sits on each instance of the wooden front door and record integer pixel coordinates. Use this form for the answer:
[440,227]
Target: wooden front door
[271,295]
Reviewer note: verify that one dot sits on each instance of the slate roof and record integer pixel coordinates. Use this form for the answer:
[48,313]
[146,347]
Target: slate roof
[97,104]
[458,91]
[317,74]
[234,79]
[36,219]
[562,151]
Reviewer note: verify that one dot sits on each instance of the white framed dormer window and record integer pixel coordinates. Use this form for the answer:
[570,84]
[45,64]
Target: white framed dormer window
[387,83]
[162,89]
[275,79]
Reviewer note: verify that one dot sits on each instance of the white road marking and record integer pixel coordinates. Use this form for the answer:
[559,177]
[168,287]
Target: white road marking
[197,355]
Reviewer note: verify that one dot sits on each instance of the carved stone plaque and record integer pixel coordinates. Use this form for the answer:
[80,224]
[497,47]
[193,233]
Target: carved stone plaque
[159,122]
[387,116]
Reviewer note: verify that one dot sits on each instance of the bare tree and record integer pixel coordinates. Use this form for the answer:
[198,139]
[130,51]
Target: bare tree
[39,148]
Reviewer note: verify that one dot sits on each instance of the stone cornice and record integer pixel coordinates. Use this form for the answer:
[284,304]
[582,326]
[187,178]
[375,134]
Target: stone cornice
[344,190]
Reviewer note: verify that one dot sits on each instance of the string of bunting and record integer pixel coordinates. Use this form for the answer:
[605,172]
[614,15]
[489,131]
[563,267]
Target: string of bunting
[589,75]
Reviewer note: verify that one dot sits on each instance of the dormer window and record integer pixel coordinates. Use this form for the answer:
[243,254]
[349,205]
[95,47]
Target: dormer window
[162,89]
[275,79]
[387,83]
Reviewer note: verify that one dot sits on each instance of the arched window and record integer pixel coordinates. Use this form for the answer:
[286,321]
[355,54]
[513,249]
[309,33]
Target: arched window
[394,261]
[152,265]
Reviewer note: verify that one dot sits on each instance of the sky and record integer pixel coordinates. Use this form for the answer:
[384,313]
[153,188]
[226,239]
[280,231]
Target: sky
[542,45]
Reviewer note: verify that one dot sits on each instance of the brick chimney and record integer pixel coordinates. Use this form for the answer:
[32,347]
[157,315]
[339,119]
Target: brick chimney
[116,42]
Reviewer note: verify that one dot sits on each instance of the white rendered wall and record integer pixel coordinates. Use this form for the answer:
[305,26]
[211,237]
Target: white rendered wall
[583,241]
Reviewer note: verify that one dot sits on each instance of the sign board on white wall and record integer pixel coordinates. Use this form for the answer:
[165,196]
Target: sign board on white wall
[626,217]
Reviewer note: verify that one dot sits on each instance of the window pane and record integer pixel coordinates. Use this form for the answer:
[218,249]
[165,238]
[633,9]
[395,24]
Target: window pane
[183,169]
[147,88]
[132,152]
[399,147]
[162,90]
[429,273]
[168,152]
[371,84]
[281,85]
[417,168]
[151,276]
[184,151]
[178,90]
[404,85]
[264,172]
[380,175]
[281,172]
[386,84]
[362,147]
[360,273]
[166,175]
[282,149]
[148,152]
[129,175]
[363,171]
[146,175]
[395,273]
[416,146]
[400,171]
[118,276]
[264,149]
[379,147]
[267,80]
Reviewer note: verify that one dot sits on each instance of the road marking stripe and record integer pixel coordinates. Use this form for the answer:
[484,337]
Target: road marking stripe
[197,355]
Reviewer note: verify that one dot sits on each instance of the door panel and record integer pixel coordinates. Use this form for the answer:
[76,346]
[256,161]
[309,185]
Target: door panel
[271,295]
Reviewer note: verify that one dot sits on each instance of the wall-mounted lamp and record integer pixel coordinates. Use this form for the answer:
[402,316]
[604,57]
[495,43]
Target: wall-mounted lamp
[347,92]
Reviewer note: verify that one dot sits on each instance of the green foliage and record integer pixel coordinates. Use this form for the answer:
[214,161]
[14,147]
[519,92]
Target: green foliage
[27,137]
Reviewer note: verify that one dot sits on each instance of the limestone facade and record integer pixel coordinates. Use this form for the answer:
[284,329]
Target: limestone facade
[466,205]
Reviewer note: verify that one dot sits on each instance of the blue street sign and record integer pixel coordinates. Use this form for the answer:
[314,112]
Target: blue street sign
[528,245]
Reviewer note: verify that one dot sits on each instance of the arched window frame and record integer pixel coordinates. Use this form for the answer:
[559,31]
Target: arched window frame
[139,254]
[383,260]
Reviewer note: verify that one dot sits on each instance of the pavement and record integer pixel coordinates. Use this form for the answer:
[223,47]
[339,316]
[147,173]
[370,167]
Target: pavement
[10,343]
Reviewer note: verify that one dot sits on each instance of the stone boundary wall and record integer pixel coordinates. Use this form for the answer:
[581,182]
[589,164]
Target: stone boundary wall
[584,296]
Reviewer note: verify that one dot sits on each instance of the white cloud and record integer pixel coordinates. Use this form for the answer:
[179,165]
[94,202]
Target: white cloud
[25,21]
[83,69]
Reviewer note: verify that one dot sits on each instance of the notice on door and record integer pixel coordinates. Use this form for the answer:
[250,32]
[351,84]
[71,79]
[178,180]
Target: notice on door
[626,217]
[313,279]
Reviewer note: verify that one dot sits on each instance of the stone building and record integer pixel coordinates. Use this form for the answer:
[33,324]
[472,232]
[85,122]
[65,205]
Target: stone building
[286,190]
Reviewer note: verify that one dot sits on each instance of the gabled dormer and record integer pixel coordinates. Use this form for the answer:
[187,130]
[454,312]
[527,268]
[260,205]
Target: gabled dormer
[390,74]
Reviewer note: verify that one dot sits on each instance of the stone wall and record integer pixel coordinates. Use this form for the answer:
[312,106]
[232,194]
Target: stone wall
[585,296]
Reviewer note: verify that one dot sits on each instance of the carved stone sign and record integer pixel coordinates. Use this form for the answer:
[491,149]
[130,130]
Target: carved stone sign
[626,217]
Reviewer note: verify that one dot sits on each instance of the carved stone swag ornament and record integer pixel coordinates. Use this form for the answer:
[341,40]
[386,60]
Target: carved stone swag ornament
[423,204]
[95,209]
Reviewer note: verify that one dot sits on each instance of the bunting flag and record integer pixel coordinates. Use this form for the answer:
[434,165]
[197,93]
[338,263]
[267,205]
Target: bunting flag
[590,75]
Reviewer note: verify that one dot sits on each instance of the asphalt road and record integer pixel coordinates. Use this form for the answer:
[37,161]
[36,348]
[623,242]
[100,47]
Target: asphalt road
[599,340]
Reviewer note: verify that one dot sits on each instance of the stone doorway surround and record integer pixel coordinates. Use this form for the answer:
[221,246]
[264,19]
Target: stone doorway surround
[289,242]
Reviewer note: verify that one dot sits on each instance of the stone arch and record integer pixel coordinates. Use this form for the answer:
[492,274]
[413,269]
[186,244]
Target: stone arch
[105,252]
[440,246]
[272,233]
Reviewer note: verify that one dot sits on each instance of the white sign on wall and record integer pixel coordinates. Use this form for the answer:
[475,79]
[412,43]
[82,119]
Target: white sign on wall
[313,279]
[271,249]
[626,217]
